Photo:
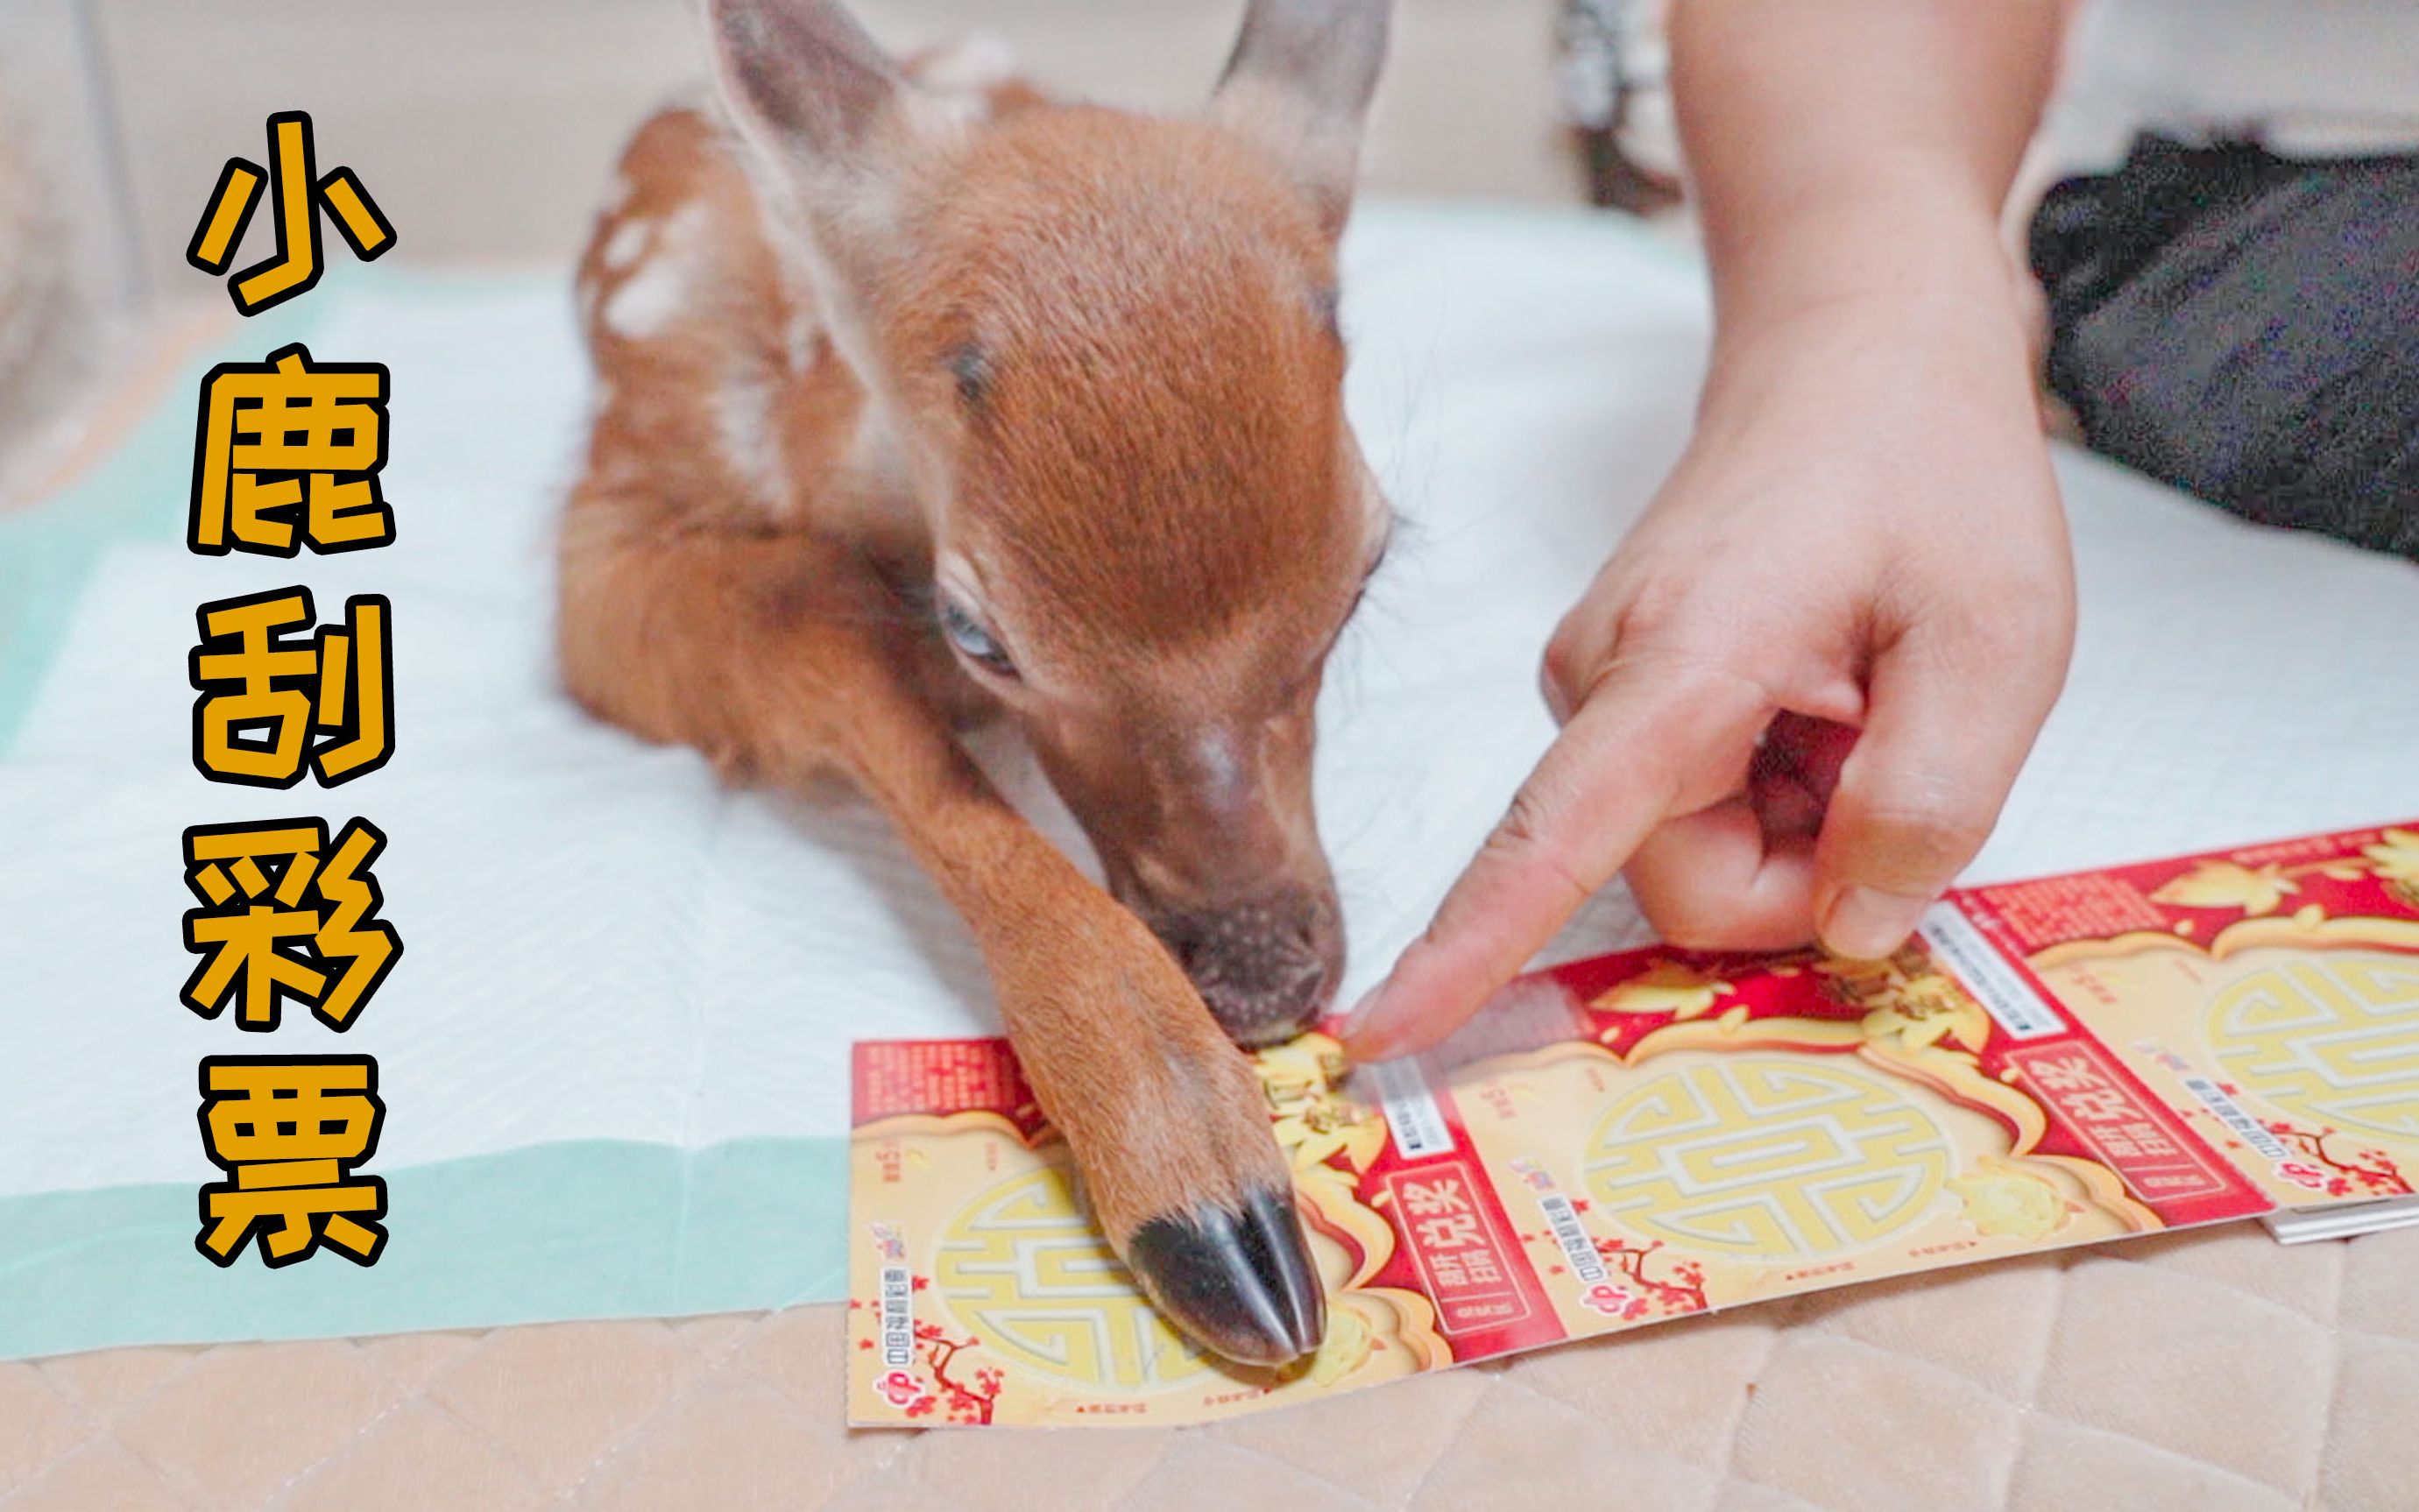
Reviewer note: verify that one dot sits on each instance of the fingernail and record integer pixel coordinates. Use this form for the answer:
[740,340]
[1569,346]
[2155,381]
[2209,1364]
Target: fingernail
[1865,924]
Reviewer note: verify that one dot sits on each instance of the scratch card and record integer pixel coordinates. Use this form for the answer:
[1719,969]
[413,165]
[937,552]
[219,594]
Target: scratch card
[1658,1133]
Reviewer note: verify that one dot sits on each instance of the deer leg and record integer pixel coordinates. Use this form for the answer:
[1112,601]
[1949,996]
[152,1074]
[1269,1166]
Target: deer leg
[775,656]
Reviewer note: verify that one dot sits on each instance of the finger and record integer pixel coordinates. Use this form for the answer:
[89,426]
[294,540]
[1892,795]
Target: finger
[1786,807]
[1638,749]
[1947,726]
[1740,875]
[1728,878]
[1581,646]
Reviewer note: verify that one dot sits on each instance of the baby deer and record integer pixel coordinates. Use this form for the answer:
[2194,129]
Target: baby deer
[926,399]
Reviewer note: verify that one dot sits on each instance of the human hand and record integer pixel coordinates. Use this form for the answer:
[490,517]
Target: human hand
[1795,700]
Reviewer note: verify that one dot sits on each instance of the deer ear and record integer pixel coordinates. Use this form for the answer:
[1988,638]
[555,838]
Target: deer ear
[820,102]
[1299,85]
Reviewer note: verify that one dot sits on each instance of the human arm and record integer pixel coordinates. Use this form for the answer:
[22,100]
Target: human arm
[1796,697]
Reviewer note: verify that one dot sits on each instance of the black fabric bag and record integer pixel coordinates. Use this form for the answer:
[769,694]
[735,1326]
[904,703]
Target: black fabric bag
[2246,326]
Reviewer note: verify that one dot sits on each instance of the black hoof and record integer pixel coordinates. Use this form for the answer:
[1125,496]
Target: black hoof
[1240,1283]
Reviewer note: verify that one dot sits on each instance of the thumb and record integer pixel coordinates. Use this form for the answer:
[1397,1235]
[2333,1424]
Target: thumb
[1947,729]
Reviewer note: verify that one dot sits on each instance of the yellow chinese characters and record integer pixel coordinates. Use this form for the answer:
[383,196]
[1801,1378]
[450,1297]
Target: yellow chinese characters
[300,194]
[280,914]
[264,693]
[287,1130]
[288,454]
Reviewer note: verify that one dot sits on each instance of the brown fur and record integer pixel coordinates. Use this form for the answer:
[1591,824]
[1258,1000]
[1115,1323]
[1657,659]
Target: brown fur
[1154,490]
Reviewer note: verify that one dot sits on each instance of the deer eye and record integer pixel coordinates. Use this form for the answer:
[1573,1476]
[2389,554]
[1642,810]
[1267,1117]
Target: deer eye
[970,366]
[974,643]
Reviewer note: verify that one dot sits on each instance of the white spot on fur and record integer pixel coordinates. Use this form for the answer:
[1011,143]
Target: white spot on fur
[752,441]
[628,239]
[954,83]
[975,63]
[656,292]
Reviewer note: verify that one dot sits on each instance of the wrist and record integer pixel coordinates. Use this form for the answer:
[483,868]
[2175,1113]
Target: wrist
[1908,226]
[1930,314]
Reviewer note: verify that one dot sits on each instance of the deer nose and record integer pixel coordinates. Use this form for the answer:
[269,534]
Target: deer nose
[1267,967]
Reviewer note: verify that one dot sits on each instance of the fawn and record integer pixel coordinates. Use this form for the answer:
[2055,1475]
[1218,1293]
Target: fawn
[925,399]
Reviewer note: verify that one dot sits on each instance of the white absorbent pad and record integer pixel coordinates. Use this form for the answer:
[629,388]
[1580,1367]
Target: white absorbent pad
[615,1052]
